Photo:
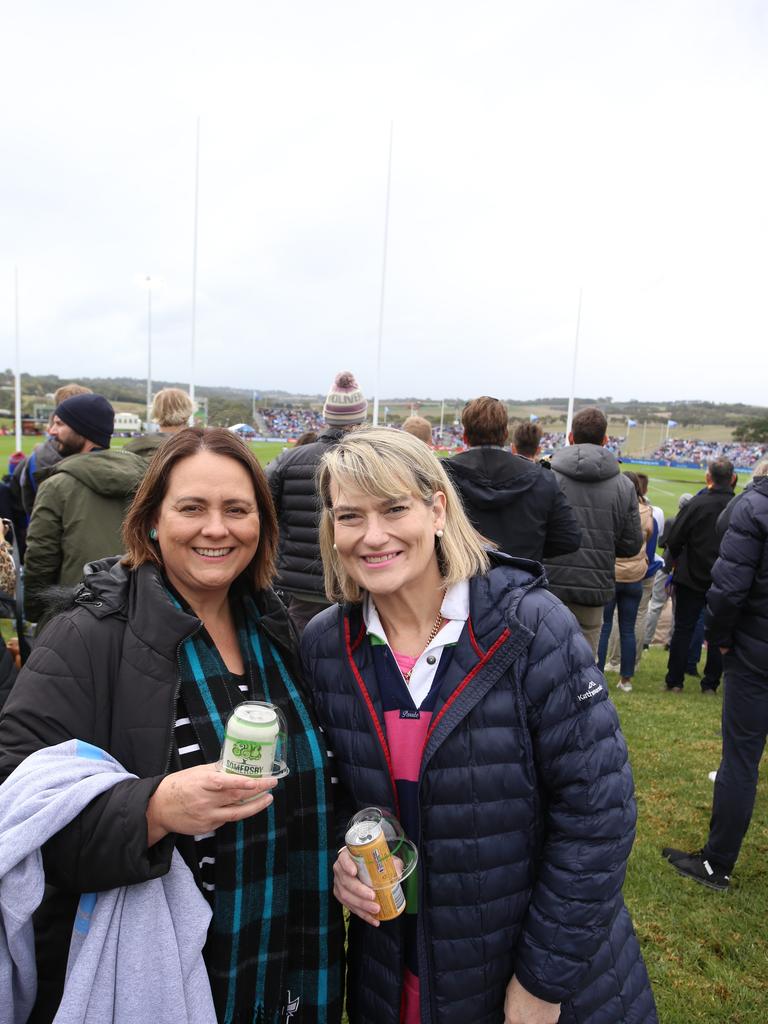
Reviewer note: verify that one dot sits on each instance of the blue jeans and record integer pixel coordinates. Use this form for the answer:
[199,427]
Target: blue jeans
[626,602]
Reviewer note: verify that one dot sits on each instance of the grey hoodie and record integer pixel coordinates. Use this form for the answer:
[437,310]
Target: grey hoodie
[136,952]
[605,504]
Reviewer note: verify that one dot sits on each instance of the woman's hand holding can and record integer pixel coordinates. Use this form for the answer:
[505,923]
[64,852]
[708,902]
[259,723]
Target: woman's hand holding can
[358,898]
[201,799]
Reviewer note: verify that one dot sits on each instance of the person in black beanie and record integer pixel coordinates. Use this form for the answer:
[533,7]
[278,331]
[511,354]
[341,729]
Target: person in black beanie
[81,501]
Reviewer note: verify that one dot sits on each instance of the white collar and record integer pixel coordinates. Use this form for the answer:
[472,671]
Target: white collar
[455,607]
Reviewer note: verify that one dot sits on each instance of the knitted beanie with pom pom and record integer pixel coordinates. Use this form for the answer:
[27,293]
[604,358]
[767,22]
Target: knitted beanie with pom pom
[346,405]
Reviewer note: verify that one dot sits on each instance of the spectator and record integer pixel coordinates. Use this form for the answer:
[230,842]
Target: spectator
[692,545]
[171,410]
[526,440]
[80,505]
[606,508]
[515,504]
[627,597]
[308,437]
[419,427]
[737,625]
[45,455]
[292,482]
[662,584]
[490,729]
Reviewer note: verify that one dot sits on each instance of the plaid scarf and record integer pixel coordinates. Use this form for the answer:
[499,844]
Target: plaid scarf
[274,944]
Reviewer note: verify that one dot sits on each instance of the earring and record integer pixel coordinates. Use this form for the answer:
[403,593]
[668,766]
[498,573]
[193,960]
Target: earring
[438,533]
[153,534]
[335,548]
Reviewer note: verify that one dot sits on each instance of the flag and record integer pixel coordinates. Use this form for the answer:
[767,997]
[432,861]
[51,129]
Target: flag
[533,417]
[671,423]
[631,423]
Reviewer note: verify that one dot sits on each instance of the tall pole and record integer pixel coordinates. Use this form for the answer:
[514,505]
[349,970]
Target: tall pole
[17,389]
[645,424]
[194,270]
[149,350]
[442,418]
[253,407]
[383,282]
[569,420]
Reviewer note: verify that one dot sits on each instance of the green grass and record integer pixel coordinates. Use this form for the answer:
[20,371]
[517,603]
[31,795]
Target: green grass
[707,952]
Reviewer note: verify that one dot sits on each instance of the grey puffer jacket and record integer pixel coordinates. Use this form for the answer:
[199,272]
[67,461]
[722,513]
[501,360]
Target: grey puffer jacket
[605,503]
[525,799]
[291,479]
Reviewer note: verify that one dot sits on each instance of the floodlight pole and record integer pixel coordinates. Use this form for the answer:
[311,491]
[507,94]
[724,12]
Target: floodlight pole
[194,270]
[17,386]
[383,283]
[149,349]
[569,420]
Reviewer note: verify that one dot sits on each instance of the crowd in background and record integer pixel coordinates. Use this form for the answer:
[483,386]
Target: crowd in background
[676,449]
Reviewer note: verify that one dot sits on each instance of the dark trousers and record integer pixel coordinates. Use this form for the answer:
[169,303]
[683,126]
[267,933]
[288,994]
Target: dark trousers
[745,726]
[688,607]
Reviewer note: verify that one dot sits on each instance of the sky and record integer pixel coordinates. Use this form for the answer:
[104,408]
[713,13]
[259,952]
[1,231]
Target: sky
[613,150]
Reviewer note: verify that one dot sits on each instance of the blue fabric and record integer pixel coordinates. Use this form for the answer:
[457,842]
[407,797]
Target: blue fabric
[527,813]
[627,600]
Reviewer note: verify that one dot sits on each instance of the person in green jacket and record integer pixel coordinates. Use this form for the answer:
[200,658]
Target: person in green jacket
[172,410]
[81,502]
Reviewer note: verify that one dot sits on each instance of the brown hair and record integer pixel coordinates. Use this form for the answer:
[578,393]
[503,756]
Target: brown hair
[526,438]
[589,426]
[485,421]
[633,477]
[721,471]
[419,427]
[153,488]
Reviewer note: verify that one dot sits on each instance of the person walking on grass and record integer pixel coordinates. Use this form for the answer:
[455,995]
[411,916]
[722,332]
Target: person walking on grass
[737,626]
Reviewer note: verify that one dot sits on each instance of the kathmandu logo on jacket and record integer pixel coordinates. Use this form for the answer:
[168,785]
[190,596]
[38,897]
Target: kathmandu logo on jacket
[592,691]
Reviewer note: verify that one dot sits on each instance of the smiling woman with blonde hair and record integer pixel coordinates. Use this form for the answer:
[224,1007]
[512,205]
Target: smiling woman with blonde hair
[459,695]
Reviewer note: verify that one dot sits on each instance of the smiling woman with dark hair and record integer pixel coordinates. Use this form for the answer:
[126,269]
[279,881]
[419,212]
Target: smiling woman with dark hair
[148,664]
[460,695]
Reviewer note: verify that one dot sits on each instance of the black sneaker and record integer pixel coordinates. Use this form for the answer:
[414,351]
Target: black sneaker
[696,866]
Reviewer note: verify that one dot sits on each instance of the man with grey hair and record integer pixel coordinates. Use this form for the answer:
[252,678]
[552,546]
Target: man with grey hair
[692,544]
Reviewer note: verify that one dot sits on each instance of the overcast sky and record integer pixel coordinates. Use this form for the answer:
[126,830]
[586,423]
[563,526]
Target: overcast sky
[539,148]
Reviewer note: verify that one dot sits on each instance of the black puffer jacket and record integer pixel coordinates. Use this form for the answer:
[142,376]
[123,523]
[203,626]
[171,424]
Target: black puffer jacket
[292,482]
[514,502]
[526,807]
[737,601]
[693,541]
[106,671]
[605,503]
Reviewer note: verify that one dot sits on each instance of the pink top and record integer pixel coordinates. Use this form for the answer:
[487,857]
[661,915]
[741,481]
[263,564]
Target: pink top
[404,662]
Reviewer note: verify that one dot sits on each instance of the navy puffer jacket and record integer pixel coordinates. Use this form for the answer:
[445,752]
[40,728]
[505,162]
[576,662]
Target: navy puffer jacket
[737,601]
[526,807]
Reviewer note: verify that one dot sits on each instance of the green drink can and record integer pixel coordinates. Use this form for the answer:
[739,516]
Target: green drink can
[251,741]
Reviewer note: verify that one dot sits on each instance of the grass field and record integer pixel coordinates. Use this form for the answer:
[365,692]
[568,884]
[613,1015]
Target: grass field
[707,952]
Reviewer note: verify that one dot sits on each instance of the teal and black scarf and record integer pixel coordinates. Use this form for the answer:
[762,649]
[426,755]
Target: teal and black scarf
[274,944]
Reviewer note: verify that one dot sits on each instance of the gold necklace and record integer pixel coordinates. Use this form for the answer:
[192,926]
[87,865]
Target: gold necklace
[432,634]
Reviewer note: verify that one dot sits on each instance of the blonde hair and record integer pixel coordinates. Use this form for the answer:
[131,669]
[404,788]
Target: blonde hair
[69,391]
[419,427]
[761,469]
[171,407]
[384,464]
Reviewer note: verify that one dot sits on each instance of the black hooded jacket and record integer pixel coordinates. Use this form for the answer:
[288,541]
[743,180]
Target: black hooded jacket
[515,503]
[737,601]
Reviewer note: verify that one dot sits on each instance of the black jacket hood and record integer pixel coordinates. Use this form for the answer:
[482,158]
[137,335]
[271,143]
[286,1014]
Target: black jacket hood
[493,476]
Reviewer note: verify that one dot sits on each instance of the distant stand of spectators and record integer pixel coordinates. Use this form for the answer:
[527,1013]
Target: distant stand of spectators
[743,456]
[291,422]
